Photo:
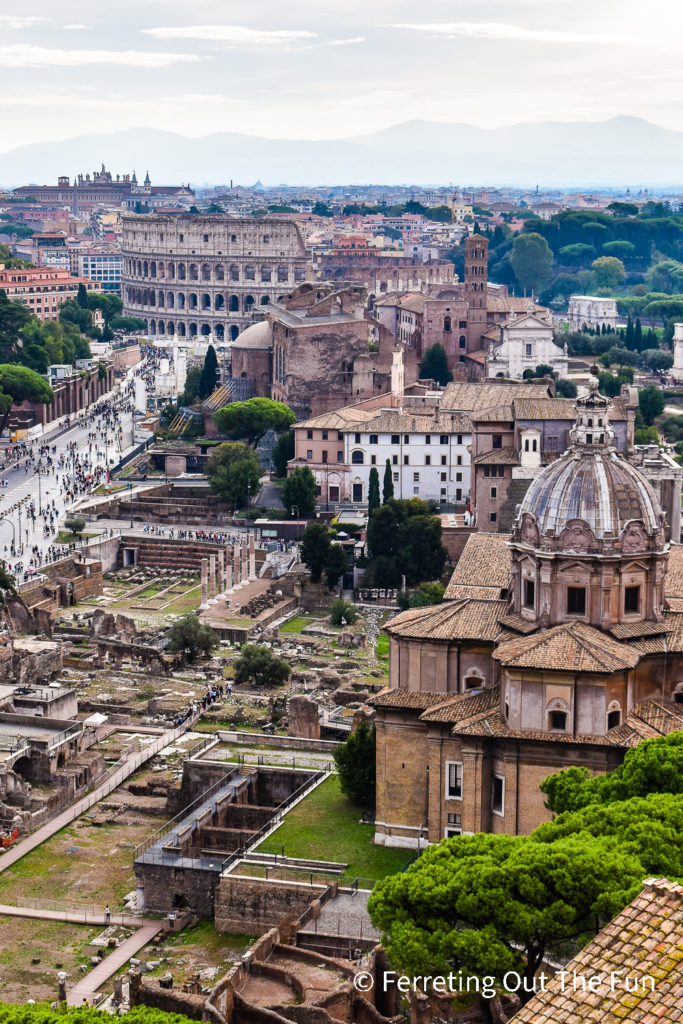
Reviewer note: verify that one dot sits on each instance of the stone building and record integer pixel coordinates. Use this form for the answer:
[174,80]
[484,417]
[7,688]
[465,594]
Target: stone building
[89,191]
[592,311]
[522,343]
[207,275]
[560,644]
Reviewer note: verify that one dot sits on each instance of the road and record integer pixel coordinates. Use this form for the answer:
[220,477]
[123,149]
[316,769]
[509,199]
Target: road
[26,487]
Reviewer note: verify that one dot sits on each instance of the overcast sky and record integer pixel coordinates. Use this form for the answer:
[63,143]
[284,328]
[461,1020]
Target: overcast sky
[322,69]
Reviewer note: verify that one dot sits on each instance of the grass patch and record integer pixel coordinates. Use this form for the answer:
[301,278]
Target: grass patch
[382,646]
[296,625]
[66,537]
[325,826]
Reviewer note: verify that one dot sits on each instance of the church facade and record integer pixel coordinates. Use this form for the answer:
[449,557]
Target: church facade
[559,644]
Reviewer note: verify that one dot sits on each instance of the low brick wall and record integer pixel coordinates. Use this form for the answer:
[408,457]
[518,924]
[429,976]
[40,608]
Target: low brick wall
[165,888]
[253,905]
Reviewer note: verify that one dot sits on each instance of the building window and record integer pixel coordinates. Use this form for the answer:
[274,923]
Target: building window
[340,456]
[356,438]
[458,478]
[497,442]
[459,440]
[340,436]
[373,438]
[324,435]
[406,460]
[416,478]
[494,492]
[458,493]
[406,438]
[443,493]
[428,438]
[373,460]
[443,438]
[462,325]
[458,460]
[462,341]
[394,460]
[357,458]
[632,600]
[309,454]
[576,600]
[528,351]
[444,477]
[558,720]
[613,716]
[309,435]
[395,477]
[444,460]
[454,827]
[498,794]
[529,593]
[428,460]
[454,780]
[324,458]
[493,517]
[394,439]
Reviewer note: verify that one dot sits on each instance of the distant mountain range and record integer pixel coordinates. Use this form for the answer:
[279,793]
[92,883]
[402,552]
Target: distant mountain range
[624,151]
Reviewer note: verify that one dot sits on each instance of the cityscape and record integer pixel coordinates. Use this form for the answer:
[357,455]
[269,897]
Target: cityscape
[341,475]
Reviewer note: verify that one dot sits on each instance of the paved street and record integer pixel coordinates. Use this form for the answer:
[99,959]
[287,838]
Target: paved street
[52,489]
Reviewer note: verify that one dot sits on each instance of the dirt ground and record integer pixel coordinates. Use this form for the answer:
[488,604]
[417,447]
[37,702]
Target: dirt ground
[54,945]
[198,950]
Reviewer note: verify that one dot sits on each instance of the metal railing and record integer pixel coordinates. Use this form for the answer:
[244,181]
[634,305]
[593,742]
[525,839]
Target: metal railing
[86,913]
[186,812]
[62,736]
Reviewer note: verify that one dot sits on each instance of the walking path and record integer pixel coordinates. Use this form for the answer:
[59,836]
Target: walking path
[71,916]
[84,991]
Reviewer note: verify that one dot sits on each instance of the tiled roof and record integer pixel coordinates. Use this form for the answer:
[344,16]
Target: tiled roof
[493,723]
[392,420]
[496,414]
[673,582]
[519,624]
[498,457]
[464,590]
[573,647]
[452,620]
[486,394]
[546,409]
[510,304]
[644,940]
[461,706]
[485,562]
[397,697]
[670,638]
[340,419]
[625,630]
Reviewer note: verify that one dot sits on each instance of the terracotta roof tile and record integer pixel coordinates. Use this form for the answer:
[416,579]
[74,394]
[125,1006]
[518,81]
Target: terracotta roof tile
[624,630]
[498,457]
[644,940]
[452,620]
[461,706]
[397,697]
[673,582]
[487,394]
[485,562]
[575,647]
[493,723]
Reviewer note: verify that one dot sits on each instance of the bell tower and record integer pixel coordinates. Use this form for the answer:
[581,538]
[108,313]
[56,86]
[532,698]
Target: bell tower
[476,287]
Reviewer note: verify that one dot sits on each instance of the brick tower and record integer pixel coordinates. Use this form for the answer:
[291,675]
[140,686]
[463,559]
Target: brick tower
[476,281]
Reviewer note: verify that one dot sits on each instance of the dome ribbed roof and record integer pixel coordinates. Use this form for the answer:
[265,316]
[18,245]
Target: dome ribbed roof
[599,487]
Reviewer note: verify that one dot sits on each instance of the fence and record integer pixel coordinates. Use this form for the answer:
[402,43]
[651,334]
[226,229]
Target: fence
[86,914]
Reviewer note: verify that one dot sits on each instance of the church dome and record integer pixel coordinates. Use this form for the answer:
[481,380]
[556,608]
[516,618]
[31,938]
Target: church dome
[590,483]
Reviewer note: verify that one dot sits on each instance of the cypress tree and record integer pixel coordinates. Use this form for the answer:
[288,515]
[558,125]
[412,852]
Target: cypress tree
[638,336]
[82,297]
[387,484]
[373,490]
[207,381]
[630,333]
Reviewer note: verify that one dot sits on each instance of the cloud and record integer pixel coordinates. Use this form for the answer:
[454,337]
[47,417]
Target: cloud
[235,36]
[16,21]
[346,42]
[74,28]
[26,56]
[500,31]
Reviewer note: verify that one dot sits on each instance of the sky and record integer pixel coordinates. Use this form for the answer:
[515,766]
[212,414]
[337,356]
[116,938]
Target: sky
[318,69]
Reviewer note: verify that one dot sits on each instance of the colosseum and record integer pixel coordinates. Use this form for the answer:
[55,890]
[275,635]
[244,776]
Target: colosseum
[207,275]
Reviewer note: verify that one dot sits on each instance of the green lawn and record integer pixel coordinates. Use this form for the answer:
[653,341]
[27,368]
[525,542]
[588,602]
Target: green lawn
[325,826]
[382,646]
[296,625]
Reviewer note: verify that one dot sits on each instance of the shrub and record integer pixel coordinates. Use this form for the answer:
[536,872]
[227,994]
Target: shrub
[342,609]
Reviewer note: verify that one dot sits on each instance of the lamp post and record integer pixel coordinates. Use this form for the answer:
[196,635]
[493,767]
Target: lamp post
[4,519]
[247,513]
[40,493]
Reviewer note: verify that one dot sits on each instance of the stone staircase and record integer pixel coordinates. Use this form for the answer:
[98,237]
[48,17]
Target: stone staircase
[175,556]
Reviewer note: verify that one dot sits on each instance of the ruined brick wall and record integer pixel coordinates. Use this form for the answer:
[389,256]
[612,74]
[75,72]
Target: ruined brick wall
[167,888]
[252,905]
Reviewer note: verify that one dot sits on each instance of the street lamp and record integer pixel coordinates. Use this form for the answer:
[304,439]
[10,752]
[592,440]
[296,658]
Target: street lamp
[4,519]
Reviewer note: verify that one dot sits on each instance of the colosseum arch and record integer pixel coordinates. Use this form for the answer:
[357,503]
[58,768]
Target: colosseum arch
[170,271]
[170,300]
[206,301]
[181,330]
[162,270]
[219,331]
[152,327]
[153,268]
[265,299]
[205,330]
[234,331]
[234,272]
[145,268]
[181,271]
[160,327]
[206,272]
[266,273]
[192,300]
[193,272]
[181,300]
[248,303]
[219,304]
[193,330]
[234,305]
[170,327]
[220,272]
[160,299]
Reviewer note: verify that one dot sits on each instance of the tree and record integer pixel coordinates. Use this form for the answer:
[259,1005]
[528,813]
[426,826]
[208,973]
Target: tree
[253,418]
[283,451]
[321,209]
[82,296]
[654,766]
[336,565]
[355,761]
[209,374]
[75,525]
[73,313]
[234,472]
[422,596]
[404,538]
[127,324]
[13,317]
[565,388]
[484,905]
[609,271]
[258,664]
[7,581]
[191,638]
[343,612]
[652,403]
[532,261]
[387,483]
[18,383]
[110,305]
[315,549]
[300,490]
[656,359]
[373,490]
[191,390]
[622,356]
[434,365]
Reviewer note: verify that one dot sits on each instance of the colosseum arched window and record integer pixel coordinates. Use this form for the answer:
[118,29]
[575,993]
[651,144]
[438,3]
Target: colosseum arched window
[282,273]
[193,272]
[206,272]
[250,273]
[162,270]
[170,300]
[181,330]
[219,331]
[170,271]
[145,268]
[192,300]
[220,302]
[151,298]
[220,272]
[160,299]
[152,327]
[193,330]
[206,330]
[234,273]
[206,301]
[160,327]
[234,331]
[248,302]
[299,273]
[153,268]
[181,300]
[265,299]
[170,327]
[181,271]
[234,304]
[266,273]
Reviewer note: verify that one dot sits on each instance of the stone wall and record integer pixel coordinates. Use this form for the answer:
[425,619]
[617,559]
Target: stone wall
[175,888]
[252,905]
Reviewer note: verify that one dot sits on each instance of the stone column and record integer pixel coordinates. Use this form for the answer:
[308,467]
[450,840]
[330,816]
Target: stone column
[205,582]
[252,557]
[236,565]
[212,576]
[244,552]
[221,571]
[228,576]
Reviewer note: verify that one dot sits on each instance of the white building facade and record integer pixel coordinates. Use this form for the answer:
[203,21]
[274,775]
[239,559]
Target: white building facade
[523,344]
[592,311]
